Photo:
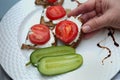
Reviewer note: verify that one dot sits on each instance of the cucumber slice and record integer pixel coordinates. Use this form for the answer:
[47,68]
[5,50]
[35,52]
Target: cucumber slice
[50,51]
[59,64]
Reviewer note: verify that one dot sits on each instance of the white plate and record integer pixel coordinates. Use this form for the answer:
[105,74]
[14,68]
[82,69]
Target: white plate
[13,29]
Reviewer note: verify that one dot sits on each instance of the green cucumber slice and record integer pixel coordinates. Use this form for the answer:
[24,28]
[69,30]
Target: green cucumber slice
[50,51]
[59,64]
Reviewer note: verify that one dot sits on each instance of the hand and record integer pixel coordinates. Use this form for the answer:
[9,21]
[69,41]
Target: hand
[98,14]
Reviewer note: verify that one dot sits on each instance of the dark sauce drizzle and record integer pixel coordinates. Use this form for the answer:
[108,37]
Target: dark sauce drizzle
[110,33]
[109,51]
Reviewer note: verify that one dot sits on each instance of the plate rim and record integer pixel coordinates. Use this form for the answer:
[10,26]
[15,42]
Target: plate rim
[4,17]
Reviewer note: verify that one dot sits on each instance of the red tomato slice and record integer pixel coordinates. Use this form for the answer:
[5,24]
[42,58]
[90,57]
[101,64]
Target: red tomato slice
[66,31]
[40,34]
[51,1]
[55,12]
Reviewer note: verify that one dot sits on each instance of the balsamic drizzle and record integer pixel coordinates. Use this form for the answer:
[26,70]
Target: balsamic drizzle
[109,51]
[111,34]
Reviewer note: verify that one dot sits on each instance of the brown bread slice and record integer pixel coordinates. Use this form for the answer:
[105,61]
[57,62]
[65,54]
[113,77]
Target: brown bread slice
[44,3]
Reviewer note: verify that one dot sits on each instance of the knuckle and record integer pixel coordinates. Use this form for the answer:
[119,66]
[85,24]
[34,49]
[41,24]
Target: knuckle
[95,24]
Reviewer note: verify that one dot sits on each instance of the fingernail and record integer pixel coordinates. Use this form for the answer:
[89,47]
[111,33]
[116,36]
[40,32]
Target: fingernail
[86,29]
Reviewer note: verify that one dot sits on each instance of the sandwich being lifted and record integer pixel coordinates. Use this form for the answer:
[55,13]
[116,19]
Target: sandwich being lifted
[69,31]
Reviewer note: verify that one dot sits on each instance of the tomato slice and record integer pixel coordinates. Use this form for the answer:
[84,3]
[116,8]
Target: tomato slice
[39,35]
[66,31]
[55,12]
[51,1]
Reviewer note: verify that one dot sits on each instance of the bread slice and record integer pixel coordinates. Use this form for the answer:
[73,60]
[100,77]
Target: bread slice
[44,3]
[49,24]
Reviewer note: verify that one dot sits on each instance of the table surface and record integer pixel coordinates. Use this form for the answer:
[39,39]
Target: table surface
[3,10]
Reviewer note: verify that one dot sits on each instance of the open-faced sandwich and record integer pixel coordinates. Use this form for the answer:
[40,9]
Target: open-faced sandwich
[69,31]
[46,3]
[53,15]
[39,36]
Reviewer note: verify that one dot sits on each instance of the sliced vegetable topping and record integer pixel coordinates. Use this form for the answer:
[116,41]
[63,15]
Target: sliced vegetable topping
[66,31]
[55,12]
[39,35]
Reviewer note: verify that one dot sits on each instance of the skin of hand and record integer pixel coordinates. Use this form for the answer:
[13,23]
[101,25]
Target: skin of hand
[98,14]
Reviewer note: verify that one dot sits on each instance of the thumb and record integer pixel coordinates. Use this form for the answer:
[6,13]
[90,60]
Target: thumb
[95,24]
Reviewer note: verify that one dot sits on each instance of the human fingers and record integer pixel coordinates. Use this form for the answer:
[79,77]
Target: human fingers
[83,8]
[96,23]
[98,6]
[85,17]
[116,28]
